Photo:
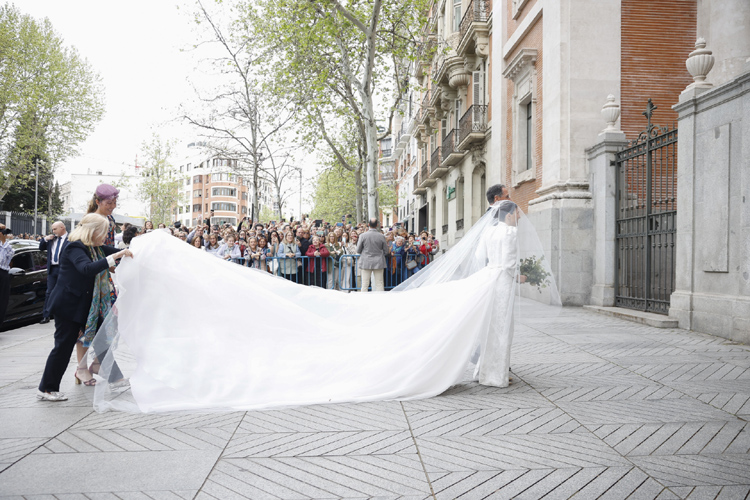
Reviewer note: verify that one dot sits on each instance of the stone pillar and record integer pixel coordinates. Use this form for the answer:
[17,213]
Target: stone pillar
[712,261]
[601,159]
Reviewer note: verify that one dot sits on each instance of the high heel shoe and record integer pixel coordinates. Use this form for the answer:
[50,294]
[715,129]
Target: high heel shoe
[94,368]
[88,383]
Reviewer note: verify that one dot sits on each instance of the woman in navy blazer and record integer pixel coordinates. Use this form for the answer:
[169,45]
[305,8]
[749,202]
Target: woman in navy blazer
[71,298]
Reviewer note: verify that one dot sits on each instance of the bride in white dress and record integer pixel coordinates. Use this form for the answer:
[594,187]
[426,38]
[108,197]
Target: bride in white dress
[171,330]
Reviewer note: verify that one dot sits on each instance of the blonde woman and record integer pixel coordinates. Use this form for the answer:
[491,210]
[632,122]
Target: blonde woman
[336,250]
[80,300]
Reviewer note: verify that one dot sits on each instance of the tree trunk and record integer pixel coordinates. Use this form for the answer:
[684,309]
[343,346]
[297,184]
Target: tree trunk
[358,189]
[371,160]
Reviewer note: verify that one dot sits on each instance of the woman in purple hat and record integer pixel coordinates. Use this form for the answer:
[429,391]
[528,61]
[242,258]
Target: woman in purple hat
[103,203]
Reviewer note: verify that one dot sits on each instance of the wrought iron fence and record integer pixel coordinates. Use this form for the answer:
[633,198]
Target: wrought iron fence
[474,120]
[646,211]
[425,172]
[445,228]
[386,153]
[459,224]
[23,223]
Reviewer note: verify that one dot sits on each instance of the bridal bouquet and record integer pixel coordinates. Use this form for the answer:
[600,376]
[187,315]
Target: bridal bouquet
[535,273]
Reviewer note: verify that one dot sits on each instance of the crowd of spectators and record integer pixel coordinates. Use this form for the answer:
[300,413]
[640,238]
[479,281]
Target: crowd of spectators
[313,253]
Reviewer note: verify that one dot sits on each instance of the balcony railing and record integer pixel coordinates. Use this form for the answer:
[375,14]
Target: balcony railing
[478,11]
[435,160]
[425,171]
[445,229]
[388,175]
[416,181]
[473,121]
[459,224]
[426,100]
[450,144]
[386,153]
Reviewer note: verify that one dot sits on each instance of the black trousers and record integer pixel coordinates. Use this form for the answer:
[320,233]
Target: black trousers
[51,282]
[4,294]
[66,335]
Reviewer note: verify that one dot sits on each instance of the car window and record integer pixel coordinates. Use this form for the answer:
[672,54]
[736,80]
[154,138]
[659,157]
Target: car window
[40,260]
[22,260]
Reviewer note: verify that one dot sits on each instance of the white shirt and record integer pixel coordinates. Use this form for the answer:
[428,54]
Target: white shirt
[57,241]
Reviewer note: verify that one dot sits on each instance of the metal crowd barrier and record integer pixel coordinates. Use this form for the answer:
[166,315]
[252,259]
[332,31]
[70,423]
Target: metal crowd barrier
[346,275]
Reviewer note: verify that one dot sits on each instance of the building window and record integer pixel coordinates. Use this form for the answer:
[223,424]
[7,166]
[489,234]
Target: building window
[224,177]
[197,179]
[187,181]
[522,73]
[197,193]
[529,135]
[224,206]
[456,15]
[244,210]
[188,167]
[224,191]
[197,208]
[182,168]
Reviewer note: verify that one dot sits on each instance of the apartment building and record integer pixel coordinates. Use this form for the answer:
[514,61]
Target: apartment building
[574,105]
[213,190]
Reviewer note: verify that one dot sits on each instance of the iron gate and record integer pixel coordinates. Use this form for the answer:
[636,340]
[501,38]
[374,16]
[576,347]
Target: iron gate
[646,209]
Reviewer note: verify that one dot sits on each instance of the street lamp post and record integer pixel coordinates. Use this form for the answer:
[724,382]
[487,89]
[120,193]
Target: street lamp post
[36,193]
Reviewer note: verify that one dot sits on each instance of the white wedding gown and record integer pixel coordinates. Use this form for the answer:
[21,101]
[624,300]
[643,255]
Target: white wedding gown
[194,332]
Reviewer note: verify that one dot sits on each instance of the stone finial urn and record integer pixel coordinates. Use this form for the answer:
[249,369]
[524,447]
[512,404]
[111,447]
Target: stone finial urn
[610,113]
[699,64]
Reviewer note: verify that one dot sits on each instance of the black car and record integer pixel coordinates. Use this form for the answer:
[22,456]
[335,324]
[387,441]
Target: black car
[28,283]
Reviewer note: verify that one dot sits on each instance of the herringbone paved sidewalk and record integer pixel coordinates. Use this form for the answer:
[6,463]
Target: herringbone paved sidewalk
[600,408]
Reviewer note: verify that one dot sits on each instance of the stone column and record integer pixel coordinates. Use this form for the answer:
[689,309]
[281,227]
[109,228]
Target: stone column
[601,159]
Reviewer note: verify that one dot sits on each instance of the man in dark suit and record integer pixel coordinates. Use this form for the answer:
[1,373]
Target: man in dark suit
[54,243]
[496,193]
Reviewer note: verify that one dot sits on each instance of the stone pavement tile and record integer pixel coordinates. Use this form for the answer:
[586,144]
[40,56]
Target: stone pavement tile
[177,420]
[615,483]
[139,439]
[108,472]
[387,415]
[317,478]
[47,420]
[577,338]
[547,420]
[658,411]
[476,397]
[612,393]
[676,438]
[696,470]
[692,371]
[22,394]
[553,357]
[614,350]
[119,495]
[523,451]
[14,449]
[298,444]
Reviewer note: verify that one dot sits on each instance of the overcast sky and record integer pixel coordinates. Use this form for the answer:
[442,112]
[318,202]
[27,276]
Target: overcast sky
[135,47]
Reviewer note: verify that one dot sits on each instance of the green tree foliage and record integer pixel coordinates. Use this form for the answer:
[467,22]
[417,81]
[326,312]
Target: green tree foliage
[50,98]
[160,186]
[334,194]
[337,60]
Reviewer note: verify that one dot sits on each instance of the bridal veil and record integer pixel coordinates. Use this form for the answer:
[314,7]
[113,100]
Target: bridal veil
[192,332]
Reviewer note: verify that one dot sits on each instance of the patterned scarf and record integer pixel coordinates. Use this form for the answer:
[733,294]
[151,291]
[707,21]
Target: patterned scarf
[101,300]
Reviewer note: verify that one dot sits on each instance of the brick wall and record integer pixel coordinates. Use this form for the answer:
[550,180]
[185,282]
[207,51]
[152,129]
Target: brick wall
[526,191]
[656,39]
[514,23]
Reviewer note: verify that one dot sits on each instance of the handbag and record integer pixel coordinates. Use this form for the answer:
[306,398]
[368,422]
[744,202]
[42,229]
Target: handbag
[411,264]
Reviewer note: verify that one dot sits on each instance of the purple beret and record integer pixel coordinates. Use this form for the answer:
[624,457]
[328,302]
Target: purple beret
[106,192]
